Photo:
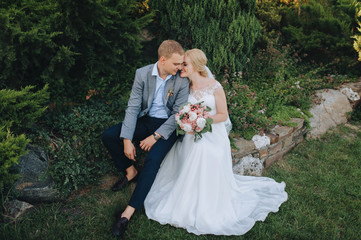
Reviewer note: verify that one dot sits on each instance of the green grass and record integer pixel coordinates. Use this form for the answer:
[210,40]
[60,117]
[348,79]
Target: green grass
[323,185]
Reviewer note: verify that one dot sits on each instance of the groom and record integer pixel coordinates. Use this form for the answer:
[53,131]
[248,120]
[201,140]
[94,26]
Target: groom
[157,93]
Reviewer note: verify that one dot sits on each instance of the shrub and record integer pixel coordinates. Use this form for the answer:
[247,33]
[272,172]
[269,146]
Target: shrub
[224,30]
[255,112]
[246,114]
[269,14]
[19,109]
[280,77]
[356,114]
[271,90]
[268,66]
[357,37]
[75,46]
[320,28]
[73,142]
[11,149]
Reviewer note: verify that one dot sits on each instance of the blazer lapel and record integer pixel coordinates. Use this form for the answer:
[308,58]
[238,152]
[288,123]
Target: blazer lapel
[169,88]
[151,87]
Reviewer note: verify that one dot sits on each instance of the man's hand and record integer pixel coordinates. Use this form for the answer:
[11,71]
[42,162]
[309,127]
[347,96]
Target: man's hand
[147,143]
[129,149]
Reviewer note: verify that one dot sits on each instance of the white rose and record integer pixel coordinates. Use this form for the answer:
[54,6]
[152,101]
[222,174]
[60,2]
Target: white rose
[192,116]
[186,109]
[178,121]
[187,127]
[201,122]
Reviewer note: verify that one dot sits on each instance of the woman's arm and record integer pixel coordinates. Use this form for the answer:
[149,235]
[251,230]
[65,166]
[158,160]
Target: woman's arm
[221,105]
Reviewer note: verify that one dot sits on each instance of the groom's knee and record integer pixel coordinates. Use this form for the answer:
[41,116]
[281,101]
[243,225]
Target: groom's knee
[106,137]
[111,135]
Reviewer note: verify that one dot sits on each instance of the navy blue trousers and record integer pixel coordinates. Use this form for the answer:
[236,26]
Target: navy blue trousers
[145,127]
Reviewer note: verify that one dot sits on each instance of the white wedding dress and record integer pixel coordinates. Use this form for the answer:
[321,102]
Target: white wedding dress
[196,189]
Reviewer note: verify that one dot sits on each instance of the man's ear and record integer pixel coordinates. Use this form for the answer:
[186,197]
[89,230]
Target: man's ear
[162,59]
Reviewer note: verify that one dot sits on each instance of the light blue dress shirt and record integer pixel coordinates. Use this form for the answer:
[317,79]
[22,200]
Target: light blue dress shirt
[157,108]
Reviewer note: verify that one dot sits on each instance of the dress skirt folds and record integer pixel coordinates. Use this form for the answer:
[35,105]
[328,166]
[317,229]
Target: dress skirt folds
[196,189]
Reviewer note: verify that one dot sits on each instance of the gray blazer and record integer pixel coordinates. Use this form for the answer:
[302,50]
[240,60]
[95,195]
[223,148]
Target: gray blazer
[141,99]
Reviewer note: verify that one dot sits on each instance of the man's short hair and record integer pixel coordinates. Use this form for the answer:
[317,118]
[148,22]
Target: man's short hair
[168,47]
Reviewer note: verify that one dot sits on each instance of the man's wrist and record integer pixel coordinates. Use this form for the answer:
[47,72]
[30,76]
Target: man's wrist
[156,136]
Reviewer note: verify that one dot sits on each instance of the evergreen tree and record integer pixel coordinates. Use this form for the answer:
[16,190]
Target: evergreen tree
[224,30]
[322,29]
[19,109]
[11,149]
[75,46]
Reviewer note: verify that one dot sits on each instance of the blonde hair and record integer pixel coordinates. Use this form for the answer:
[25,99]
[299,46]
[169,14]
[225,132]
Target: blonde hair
[198,60]
[168,47]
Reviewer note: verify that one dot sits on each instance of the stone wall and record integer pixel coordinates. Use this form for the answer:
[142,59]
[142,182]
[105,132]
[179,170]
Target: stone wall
[331,110]
[282,138]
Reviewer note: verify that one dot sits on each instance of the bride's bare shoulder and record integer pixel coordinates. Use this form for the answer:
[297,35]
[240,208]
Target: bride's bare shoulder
[214,83]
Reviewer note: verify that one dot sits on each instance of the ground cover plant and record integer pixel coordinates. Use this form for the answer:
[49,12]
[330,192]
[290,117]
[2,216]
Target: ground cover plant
[73,141]
[322,181]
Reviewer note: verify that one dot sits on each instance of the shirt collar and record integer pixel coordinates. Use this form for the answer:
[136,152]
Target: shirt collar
[156,73]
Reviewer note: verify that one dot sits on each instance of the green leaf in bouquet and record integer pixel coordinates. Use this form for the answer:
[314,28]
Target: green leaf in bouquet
[179,131]
[209,121]
[197,136]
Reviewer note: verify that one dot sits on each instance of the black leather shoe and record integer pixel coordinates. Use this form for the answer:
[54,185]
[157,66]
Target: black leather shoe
[122,183]
[119,226]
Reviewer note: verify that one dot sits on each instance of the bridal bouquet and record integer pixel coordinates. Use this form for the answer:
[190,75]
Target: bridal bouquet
[194,119]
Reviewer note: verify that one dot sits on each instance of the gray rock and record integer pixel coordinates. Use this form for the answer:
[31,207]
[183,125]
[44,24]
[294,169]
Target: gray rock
[248,166]
[33,165]
[39,192]
[356,87]
[244,145]
[34,184]
[331,110]
[14,209]
[350,94]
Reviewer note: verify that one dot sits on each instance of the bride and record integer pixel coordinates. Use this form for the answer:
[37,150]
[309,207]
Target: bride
[195,187]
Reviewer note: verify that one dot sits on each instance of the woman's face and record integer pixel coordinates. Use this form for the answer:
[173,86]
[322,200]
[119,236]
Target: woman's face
[187,67]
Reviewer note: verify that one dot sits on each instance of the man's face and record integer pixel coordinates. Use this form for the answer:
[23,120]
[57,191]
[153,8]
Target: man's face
[173,64]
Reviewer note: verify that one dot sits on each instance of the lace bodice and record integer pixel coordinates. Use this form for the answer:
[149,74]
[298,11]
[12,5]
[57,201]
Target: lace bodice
[206,95]
[209,90]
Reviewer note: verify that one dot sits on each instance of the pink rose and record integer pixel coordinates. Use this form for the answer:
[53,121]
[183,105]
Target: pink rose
[198,129]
